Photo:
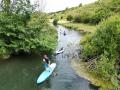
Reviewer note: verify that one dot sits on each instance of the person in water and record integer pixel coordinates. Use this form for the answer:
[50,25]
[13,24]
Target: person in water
[64,33]
[46,60]
[61,49]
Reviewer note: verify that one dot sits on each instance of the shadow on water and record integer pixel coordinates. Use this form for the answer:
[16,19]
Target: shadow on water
[21,72]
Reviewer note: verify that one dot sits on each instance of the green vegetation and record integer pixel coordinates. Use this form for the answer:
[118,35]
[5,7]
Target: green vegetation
[82,69]
[101,48]
[69,18]
[104,43]
[92,13]
[23,30]
[55,22]
[82,28]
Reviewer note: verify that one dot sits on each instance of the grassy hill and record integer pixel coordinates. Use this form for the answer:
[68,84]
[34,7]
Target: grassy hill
[91,13]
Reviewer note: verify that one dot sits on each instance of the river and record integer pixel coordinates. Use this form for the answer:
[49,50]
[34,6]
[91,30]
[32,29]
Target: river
[21,72]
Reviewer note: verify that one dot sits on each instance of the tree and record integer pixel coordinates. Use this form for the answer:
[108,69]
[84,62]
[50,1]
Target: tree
[55,21]
[80,5]
[69,18]
[24,30]
[5,4]
[40,5]
[24,8]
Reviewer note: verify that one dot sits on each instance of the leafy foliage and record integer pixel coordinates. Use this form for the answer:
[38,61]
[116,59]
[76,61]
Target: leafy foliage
[6,5]
[105,43]
[103,46]
[55,21]
[69,18]
[25,31]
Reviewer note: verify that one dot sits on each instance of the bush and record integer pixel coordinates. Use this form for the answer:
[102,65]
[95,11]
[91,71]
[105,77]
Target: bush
[69,18]
[100,14]
[83,17]
[77,19]
[105,67]
[80,5]
[106,34]
[55,22]
[105,43]
[16,37]
[61,17]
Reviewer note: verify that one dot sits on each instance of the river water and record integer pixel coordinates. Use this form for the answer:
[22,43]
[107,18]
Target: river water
[21,72]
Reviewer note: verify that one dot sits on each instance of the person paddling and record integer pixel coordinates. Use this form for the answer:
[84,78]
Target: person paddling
[64,33]
[61,49]
[46,61]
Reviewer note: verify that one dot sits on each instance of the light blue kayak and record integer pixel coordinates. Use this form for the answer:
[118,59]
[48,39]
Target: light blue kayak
[46,73]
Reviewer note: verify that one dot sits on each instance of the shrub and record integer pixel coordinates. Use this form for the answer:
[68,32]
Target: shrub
[106,43]
[16,37]
[69,18]
[77,19]
[107,33]
[80,5]
[55,22]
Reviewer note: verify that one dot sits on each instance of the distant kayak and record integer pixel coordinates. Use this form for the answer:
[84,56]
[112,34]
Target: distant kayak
[46,73]
[59,51]
[64,33]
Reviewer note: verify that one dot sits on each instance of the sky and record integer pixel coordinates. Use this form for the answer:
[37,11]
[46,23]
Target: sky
[57,5]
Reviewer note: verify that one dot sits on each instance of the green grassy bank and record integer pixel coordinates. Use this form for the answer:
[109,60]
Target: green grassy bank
[83,28]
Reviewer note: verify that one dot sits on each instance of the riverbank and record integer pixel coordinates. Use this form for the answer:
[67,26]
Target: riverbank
[80,67]
[82,71]
[83,28]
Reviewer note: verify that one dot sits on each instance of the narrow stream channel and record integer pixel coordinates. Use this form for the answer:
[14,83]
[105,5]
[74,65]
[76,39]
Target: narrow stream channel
[67,79]
[21,72]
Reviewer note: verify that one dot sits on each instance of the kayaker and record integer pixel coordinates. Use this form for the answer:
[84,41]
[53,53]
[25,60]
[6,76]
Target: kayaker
[64,33]
[61,49]
[46,60]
